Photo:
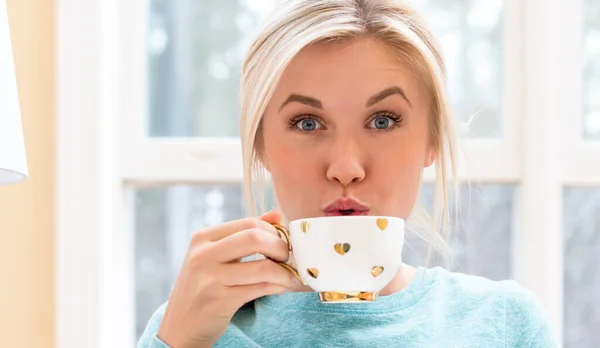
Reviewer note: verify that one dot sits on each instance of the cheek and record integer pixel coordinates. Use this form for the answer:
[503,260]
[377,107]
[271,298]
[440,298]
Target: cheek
[293,171]
[396,177]
[288,162]
[400,192]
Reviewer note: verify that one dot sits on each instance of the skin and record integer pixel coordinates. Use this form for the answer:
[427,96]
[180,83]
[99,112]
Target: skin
[372,153]
[336,150]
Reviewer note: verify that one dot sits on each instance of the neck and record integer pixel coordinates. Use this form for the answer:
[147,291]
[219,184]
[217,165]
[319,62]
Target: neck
[401,280]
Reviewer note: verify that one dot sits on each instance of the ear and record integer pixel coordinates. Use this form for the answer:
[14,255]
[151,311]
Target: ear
[264,161]
[430,157]
[259,148]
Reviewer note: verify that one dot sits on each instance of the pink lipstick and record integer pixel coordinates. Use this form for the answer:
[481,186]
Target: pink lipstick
[345,207]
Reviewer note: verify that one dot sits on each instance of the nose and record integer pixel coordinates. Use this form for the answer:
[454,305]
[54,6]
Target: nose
[346,165]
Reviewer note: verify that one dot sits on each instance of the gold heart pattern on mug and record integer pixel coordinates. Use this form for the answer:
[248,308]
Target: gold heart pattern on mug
[382,224]
[344,248]
[313,272]
[376,271]
[341,248]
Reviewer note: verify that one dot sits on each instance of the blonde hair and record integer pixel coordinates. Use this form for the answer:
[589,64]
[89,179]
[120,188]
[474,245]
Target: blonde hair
[297,24]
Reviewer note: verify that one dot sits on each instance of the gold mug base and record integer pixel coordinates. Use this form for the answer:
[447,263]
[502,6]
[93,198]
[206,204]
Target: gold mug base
[347,297]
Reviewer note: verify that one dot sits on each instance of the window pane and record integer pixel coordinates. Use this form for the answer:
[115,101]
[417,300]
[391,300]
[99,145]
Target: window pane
[195,50]
[591,71]
[471,35]
[482,245]
[165,218]
[582,272]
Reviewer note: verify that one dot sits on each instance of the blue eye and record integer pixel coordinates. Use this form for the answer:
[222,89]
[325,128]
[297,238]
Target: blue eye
[308,125]
[385,121]
[381,122]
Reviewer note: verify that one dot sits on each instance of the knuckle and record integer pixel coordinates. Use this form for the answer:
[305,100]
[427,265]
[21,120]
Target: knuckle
[210,293]
[198,255]
[254,237]
[250,223]
[199,237]
[211,285]
[264,266]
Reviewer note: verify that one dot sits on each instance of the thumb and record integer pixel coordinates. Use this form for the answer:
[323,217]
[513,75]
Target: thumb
[272,216]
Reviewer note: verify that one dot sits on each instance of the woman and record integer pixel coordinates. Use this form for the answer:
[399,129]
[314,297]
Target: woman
[343,101]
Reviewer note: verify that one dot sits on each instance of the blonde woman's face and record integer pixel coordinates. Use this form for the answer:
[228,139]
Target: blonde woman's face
[346,125]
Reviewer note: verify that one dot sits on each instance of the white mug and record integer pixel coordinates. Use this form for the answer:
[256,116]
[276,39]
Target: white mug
[345,258]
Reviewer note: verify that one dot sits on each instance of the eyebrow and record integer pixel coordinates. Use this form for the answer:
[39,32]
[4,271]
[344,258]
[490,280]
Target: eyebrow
[302,99]
[386,93]
[316,103]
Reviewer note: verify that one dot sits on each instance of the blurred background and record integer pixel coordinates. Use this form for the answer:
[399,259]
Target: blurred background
[130,114]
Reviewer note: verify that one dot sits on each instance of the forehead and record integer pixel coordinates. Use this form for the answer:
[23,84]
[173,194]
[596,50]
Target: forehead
[358,67]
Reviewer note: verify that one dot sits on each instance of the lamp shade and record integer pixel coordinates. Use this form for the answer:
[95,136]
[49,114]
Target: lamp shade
[13,161]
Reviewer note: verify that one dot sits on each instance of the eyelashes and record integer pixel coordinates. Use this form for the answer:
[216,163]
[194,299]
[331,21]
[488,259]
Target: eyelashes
[295,122]
[387,114]
[379,121]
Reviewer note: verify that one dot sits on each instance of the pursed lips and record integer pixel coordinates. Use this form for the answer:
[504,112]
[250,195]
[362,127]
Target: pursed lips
[346,207]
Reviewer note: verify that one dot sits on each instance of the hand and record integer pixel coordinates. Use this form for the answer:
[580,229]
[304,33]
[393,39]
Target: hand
[213,284]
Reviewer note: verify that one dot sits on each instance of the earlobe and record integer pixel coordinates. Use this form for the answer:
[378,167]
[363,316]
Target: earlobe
[264,162]
[430,158]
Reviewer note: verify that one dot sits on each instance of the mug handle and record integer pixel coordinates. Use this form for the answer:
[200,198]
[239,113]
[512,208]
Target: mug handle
[286,234]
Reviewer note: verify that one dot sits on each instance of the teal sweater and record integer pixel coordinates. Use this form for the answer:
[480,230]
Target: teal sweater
[438,309]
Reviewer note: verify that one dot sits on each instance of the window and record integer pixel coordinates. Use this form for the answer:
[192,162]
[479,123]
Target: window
[195,50]
[582,206]
[471,34]
[481,241]
[165,218]
[155,155]
[582,257]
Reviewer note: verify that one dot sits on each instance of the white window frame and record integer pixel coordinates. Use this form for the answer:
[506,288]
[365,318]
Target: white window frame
[102,152]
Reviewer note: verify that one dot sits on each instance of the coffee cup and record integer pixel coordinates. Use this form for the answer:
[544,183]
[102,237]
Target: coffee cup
[345,258]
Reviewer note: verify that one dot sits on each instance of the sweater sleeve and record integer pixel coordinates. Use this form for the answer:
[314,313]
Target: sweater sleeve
[526,321]
[149,338]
